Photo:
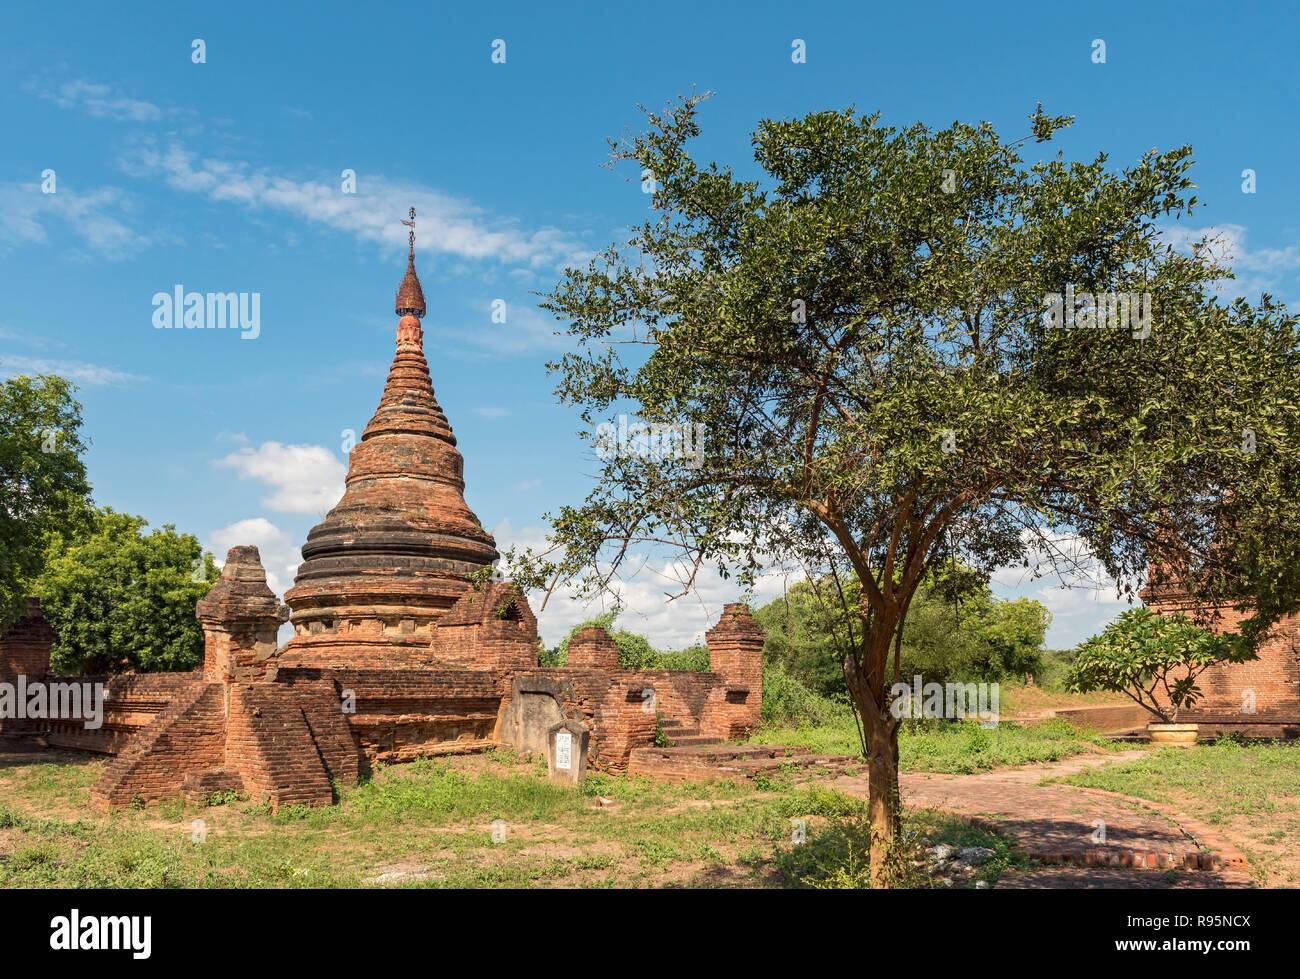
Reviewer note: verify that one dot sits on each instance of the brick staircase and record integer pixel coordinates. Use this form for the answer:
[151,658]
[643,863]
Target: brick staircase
[681,735]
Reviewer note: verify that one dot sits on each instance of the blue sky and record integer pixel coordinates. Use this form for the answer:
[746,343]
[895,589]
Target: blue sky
[226,176]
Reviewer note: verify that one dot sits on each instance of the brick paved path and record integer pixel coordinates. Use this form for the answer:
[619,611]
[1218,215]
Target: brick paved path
[1061,824]
[1112,878]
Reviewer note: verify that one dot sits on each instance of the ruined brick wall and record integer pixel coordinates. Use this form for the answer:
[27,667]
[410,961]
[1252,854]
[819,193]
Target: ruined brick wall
[625,719]
[184,734]
[610,704]
[131,703]
[489,629]
[322,709]
[720,762]
[1258,698]
[592,648]
[268,739]
[238,656]
[240,617]
[282,742]
[189,736]
[25,648]
[736,654]
[400,715]
[25,651]
[621,708]
[679,695]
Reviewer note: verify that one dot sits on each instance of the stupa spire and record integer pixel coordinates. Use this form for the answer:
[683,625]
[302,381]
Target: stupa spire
[401,546]
[410,297]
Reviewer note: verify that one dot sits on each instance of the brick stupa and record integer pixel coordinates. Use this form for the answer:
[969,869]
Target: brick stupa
[399,548]
[397,653]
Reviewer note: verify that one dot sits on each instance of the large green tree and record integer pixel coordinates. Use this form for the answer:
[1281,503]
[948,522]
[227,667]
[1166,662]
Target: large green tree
[42,480]
[860,326]
[119,599]
[966,634]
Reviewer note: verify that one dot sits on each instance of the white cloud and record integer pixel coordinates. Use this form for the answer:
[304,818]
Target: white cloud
[101,101]
[306,478]
[28,338]
[644,593]
[96,217]
[1256,270]
[1066,577]
[280,554]
[1082,600]
[492,412]
[83,373]
[445,224]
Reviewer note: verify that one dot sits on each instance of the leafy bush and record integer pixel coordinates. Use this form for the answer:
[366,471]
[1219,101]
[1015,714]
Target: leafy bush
[1053,669]
[1154,659]
[119,599]
[693,658]
[43,487]
[787,701]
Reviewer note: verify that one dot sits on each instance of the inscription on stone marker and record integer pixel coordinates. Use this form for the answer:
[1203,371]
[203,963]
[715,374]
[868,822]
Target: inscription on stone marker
[563,750]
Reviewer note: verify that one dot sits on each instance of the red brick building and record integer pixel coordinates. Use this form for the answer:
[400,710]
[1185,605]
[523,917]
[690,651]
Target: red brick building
[1260,698]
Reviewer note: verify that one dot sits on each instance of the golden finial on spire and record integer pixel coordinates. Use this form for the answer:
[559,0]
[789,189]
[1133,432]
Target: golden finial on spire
[411,224]
[410,297]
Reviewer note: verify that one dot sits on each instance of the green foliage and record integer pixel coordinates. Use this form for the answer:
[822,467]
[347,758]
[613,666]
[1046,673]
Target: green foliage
[965,747]
[955,630]
[693,658]
[805,637]
[43,484]
[550,656]
[1054,668]
[864,344]
[1013,632]
[1154,659]
[786,701]
[661,739]
[122,599]
[976,637]
[480,579]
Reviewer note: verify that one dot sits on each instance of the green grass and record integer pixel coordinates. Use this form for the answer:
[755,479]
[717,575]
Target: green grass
[1264,778]
[427,824]
[944,746]
[1250,791]
[962,748]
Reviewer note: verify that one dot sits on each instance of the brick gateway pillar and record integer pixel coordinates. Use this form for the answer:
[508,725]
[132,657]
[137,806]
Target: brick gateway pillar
[736,654]
[240,617]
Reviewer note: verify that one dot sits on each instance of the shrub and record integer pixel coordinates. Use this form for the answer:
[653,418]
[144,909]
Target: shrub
[1153,659]
[787,701]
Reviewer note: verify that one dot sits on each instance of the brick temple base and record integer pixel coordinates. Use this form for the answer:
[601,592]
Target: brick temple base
[289,734]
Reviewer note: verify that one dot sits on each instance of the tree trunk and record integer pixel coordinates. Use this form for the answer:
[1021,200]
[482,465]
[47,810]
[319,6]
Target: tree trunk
[881,730]
[883,807]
